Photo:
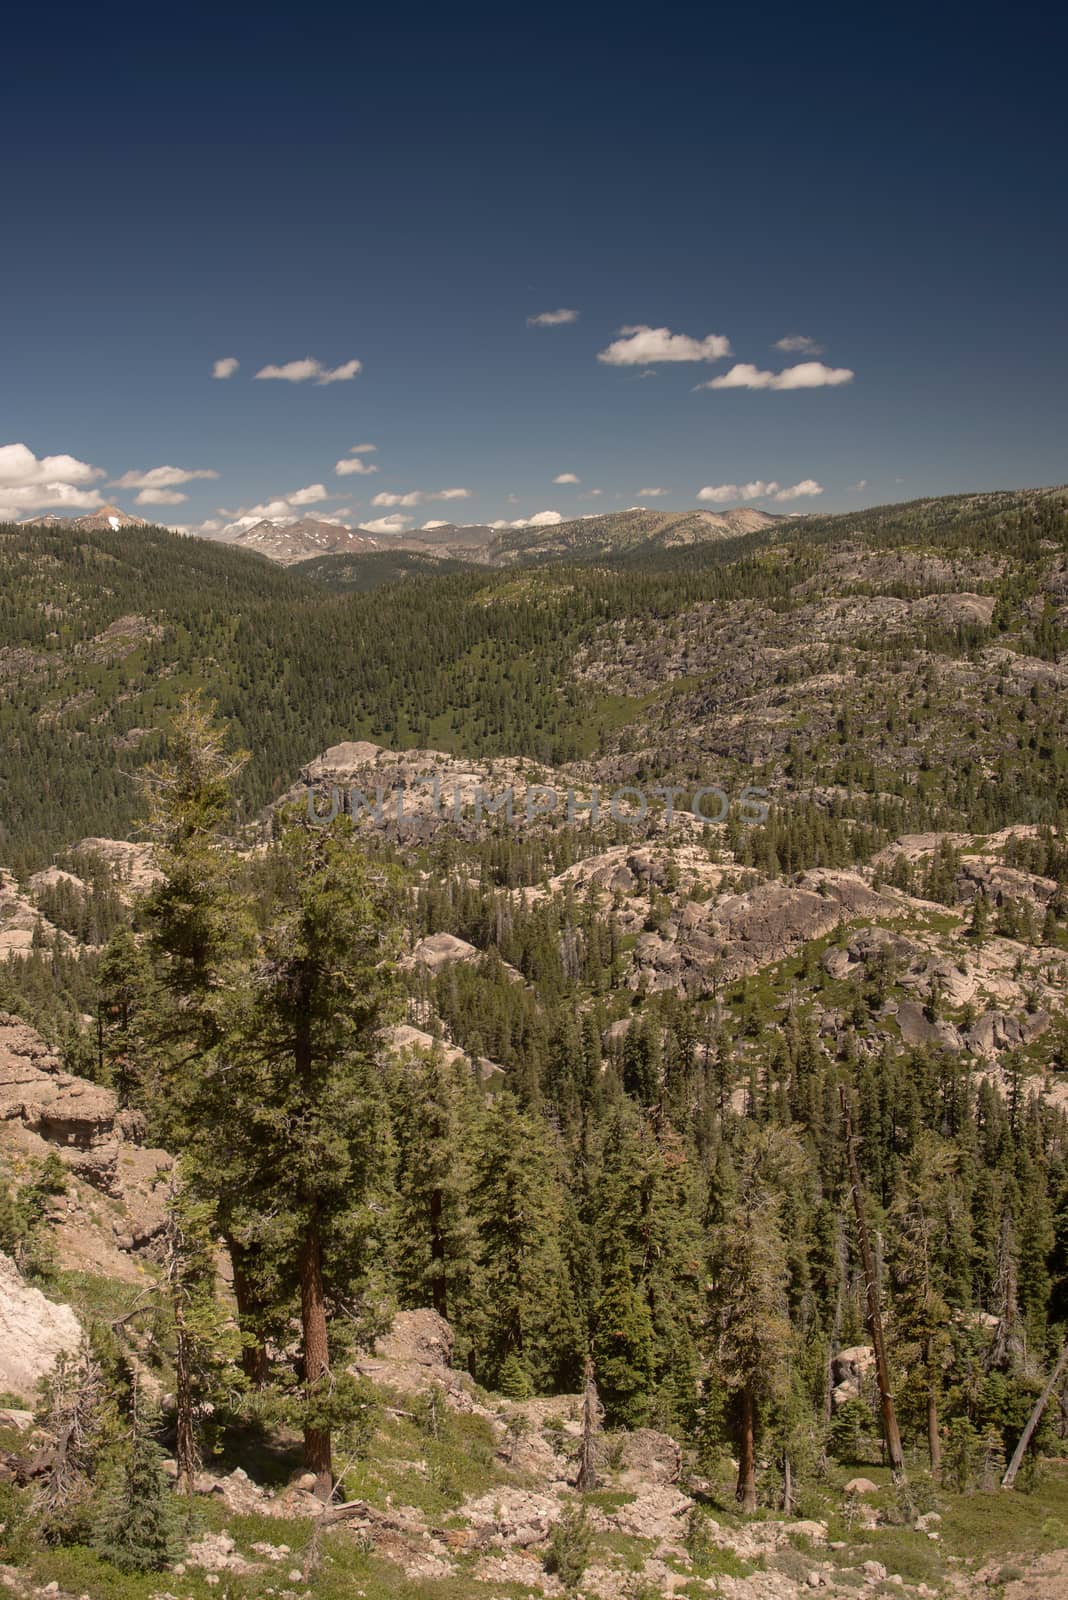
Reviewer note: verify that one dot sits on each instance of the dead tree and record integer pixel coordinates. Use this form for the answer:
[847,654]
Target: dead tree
[1034,1419]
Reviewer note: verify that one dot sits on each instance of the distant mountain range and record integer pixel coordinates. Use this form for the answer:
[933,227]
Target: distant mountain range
[108,516]
[609,534]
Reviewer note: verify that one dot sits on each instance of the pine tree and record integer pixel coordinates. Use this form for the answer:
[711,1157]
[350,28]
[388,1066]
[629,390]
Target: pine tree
[435,1243]
[135,1523]
[527,1329]
[750,1315]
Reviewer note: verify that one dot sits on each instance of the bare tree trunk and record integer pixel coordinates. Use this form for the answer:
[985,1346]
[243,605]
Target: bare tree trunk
[1034,1419]
[317,1455]
[591,1417]
[787,1484]
[186,1452]
[746,1490]
[934,1438]
[873,1317]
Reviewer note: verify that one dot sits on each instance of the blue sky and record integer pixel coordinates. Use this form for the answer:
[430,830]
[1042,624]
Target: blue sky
[406,190]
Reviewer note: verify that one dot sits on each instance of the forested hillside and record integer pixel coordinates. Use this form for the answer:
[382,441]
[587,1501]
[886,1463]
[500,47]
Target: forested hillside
[610,1190]
[830,626]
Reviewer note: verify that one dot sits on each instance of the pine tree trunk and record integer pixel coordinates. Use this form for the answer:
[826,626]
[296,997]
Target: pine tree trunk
[591,1411]
[746,1490]
[873,1317]
[934,1438]
[787,1484]
[186,1447]
[317,1457]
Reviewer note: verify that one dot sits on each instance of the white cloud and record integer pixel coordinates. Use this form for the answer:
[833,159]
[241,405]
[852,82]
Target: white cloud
[758,489]
[363,449]
[161,478]
[348,466]
[651,494]
[806,375]
[428,527]
[553,319]
[416,497]
[861,483]
[225,367]
[566,477]
[29,483]
[540,519]
[393,524]
[161,497]
[286,508]
[798,344]
[723,493]
[302,371]
[639,346]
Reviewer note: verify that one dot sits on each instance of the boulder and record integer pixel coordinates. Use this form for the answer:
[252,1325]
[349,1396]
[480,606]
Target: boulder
[34,1331]
[861,1486]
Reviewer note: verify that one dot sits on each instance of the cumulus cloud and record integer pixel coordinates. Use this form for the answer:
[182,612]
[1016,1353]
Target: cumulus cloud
[348,466]
[640,346]
[394,524]
[651,494]
[861,483]
[225,367]
[286,508]
[566,477]
[806,375]
[161,478]
[30,483]
[553,319]
[309,369]
[416,497]
[758,489]
[428,527]
[161,497]
[540,519]
[798,344]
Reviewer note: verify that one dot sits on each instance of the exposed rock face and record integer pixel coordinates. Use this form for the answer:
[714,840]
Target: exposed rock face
[131,864]
[63,1109]
[744,932]
[34,1331]
[47,1109]
[20,921]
